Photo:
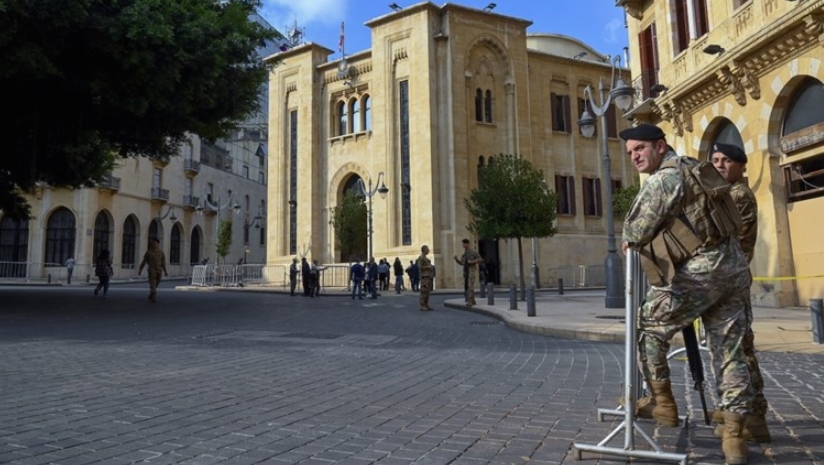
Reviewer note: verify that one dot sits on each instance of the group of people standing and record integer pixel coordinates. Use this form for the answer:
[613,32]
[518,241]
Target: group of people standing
[310,276]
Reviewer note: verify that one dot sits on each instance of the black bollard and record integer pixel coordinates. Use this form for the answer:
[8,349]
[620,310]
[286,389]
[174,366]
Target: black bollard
[88,278]
[513,297]
[49,278]
[483,290]
[530,301]
[490,294]
[817,313]
[560,286]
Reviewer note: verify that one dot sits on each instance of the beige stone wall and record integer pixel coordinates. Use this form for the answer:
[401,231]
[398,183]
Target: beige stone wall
[445,54]
[134,198]
[770,48]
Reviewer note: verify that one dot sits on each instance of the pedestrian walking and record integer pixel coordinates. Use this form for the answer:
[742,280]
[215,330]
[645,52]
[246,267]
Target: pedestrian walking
[69,270]
[692,276]
[155,261]
[731,162]
[103,270]
[427,272]
[469,261]
[317,269]
[372,277]
[412,272]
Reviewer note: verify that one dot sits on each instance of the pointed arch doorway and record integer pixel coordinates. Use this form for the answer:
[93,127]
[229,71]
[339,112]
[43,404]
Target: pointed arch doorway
[350,222]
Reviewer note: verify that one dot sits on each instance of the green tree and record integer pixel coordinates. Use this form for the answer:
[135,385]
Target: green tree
[224,239]
[512,202]
[91,81]
[622,199]
[349,221]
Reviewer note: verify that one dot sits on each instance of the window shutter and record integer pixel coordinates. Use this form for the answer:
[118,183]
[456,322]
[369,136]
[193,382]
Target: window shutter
[571,190]
[567,115]
[599,198]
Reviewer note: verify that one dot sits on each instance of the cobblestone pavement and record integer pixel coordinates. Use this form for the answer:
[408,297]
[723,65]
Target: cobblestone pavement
[227,378]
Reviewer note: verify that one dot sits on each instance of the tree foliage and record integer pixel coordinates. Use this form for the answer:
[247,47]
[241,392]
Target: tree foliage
[349,221]
[85,82]
[622,199]
[512,201]
[224,238]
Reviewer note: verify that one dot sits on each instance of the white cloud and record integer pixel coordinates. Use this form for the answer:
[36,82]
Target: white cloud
[614,31]
[282,13]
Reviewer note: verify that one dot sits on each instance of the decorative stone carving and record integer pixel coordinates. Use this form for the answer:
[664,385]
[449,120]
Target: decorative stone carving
[734,86]
[749,81]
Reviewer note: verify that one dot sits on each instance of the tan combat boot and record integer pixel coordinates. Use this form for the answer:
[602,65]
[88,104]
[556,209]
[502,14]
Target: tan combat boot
[754,430]
[733,444]
[665,411]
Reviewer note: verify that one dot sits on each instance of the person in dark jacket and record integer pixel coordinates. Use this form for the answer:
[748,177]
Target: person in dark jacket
[372,276]
[306,276]
[357,273]
[293,276]
[103,270]
[397,268]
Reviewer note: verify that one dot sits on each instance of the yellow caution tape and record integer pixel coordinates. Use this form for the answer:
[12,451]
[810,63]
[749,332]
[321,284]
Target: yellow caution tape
[784,278]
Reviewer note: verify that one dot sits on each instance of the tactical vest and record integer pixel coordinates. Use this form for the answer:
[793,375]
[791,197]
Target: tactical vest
[708,217]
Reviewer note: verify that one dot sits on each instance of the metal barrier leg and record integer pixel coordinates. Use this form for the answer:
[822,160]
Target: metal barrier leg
[634,295]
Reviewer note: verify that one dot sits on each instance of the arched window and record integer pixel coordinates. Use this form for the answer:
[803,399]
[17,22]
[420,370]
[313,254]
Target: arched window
[174,245]
[60,232]
[102,233]
[367,113]
[128,250]
[342,118]
[194,247]
[806,109]
[14,244]
[488,106]
[479,105]
[804,177]
[155,232]
[354,112]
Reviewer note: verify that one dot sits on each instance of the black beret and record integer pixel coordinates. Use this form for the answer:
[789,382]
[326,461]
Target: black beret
[465,241]
[643,131]
[733,152]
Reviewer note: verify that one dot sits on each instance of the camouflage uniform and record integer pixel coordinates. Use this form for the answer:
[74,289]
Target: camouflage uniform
[714,284]
[469,273]
[425,269]
[155,261]
[745,201]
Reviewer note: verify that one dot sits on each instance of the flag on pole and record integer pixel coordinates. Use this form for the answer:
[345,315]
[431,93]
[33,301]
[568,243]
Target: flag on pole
[340,43]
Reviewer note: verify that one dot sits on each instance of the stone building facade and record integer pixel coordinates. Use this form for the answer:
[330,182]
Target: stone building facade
[143,199]
[442,91]
[747,72]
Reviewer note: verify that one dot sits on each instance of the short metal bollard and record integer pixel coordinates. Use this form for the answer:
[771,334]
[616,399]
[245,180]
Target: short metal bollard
[490,294]
[817,312]
[483,290]
[560,286]
[513,297]
[530,301]
[88,278]
[49,276]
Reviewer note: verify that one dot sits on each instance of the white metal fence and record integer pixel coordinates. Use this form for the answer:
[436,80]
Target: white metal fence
[331,276]
[578,275]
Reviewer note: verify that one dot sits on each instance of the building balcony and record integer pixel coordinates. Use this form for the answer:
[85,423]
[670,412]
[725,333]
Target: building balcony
[109,182]
[190,202]
[191,167]
[160,195]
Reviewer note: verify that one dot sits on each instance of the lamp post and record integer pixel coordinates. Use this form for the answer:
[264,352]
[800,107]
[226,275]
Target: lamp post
[170,213]
[217,207]
[367,194]
[622,94]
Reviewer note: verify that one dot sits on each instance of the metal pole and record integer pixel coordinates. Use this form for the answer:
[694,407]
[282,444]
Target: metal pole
[536,280]
[530,301]
[817,313]
[612,262]
[369,195]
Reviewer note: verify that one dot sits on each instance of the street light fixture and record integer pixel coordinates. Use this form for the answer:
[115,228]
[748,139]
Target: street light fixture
[217,207]
[367,194]
[622,95]
[169,213]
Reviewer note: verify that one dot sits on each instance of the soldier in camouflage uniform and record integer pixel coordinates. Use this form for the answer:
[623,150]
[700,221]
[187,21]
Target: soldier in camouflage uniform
[712,284]
[426,273]
[469,261]
[731,161]
[155,260]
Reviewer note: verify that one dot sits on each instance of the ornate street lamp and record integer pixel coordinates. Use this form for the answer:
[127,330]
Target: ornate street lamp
[367,195]
[622,94]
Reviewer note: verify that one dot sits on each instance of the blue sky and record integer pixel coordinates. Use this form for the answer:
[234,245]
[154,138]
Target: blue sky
[597,23]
